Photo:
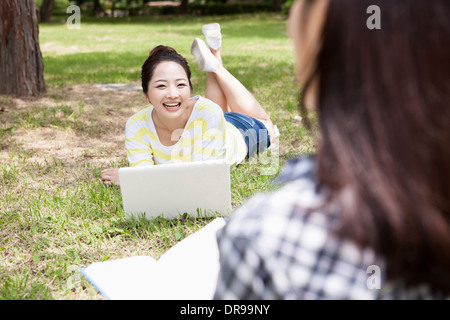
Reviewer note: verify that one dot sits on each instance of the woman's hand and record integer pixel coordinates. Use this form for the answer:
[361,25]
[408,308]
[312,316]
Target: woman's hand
[110,176]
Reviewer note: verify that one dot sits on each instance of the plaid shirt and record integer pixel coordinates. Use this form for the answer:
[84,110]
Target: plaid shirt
[276,247]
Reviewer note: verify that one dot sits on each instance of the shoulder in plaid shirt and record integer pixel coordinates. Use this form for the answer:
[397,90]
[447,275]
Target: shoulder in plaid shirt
[276,247]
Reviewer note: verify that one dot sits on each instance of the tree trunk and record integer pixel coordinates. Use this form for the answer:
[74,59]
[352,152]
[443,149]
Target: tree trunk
[45,11]
[184,7]
[113,7]
[97,8]
[277,5]
[21,67]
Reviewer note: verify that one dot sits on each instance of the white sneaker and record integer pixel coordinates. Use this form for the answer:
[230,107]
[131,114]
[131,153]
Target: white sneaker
[212,35]
[205,59]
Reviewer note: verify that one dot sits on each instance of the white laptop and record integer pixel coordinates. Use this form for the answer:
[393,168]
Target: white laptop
[199,188]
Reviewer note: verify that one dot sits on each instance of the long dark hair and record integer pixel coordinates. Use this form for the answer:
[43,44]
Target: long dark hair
[384,117]
[160,54]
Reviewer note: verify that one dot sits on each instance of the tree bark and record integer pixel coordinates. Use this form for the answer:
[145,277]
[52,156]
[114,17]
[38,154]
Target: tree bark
[21,67]
[45,11]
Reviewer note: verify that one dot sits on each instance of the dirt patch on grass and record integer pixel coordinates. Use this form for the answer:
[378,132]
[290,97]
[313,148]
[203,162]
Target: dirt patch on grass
[69,124]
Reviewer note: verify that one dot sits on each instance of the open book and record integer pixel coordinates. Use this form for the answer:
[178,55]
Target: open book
[187,271]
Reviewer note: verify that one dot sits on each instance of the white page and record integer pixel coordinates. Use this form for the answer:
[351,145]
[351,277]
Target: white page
[122,278]
[190,267]
[188,270]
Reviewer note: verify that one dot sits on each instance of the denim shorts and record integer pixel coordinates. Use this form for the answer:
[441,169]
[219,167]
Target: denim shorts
[255,133]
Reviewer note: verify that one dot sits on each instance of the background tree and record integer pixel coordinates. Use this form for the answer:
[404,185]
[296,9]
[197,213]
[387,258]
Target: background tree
[45,11]
[97,10]
[21,67]
[184,7]
[277,5]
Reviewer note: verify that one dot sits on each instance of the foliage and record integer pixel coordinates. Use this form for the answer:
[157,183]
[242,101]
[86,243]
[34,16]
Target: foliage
[229,8]
[287,6]
[59,7]
[138,8]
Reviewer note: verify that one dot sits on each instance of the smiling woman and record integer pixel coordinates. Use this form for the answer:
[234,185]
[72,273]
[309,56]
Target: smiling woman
[228,123]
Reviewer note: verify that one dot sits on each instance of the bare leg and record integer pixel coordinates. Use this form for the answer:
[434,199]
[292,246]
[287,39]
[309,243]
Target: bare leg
[214,92]
[230,92]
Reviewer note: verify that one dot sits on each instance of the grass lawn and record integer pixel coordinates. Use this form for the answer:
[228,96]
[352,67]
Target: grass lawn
[55,214]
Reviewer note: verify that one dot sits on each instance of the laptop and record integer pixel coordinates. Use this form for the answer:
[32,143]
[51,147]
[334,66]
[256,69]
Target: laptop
[200,189]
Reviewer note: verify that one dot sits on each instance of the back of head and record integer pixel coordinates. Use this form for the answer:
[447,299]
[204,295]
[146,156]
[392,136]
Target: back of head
[160,54]
[384,116]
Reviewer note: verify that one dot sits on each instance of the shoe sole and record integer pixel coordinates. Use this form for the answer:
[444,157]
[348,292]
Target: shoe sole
[212,34]
[201,52]
[197,53]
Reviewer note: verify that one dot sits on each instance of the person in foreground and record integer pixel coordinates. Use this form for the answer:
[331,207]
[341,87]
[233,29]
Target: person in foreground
[228,123]
[367,216]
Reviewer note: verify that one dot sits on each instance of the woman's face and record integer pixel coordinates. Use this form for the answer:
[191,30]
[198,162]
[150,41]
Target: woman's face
[169,90]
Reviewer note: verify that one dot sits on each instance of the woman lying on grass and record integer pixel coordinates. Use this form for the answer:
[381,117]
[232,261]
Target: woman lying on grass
[228,123]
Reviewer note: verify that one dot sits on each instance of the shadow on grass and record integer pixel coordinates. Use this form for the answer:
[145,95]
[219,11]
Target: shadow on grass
[92,67]
[111,67]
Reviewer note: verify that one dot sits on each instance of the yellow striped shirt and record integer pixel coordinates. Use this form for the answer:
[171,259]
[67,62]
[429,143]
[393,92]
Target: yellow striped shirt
[206,136]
